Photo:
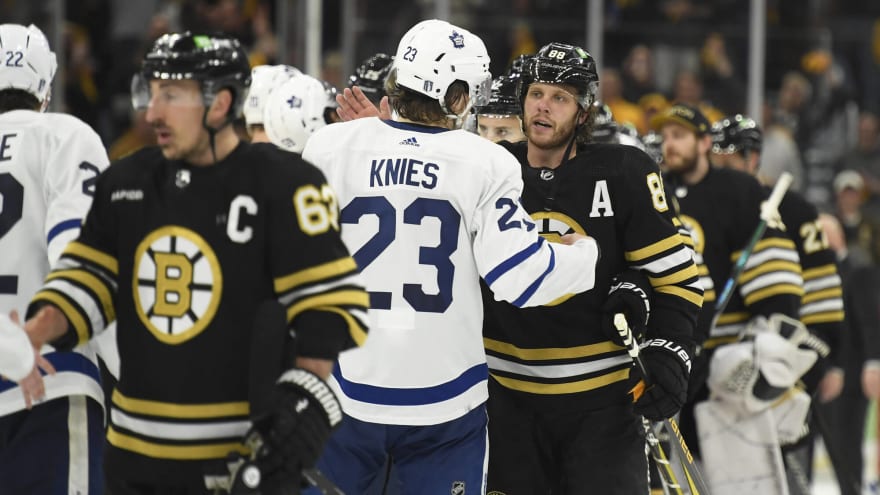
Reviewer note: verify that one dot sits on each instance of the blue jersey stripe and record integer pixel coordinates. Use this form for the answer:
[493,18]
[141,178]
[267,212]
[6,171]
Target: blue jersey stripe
[413,396]
[530,291]
[508,264]
[73,223]
[64,361]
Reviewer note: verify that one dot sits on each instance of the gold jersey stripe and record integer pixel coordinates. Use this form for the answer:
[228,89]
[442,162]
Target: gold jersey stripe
[773,242]
[80,324]
[94,284]
[180,411]
[690,271]
[655,248]
[729,318]
[709,296]
[713,342]
[687,295]
[550,354]
[774,290]
[770,266]
[332,299]
[177,452]
[823,317]
[820,271]
[318,273]
[563,388]
[702,269]
[357,332]
[99,258]
[831,293]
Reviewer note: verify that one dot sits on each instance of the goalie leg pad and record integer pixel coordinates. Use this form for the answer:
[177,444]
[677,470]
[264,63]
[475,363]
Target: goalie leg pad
[740,452]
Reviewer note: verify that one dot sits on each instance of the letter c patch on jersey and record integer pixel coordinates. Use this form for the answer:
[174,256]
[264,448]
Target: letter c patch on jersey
[177,284]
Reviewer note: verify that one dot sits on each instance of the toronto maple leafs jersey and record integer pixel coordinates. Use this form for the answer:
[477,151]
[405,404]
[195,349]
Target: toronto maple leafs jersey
[427,212]
[721,212]
[49,163]
[558,355]
[181,257]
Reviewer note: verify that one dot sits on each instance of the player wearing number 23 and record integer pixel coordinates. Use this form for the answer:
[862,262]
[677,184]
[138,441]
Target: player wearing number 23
[429,209]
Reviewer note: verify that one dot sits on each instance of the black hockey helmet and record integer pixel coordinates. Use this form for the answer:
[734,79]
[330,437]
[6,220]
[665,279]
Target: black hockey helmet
[503,100]
[216,61]
[653,142]
[371,74]
[736,133]
[560,63]
[517,65]
[605,129]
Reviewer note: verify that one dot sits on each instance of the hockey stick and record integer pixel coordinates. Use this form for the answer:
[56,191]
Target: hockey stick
[267,359]
[694,478]
[769,210]
[671,486]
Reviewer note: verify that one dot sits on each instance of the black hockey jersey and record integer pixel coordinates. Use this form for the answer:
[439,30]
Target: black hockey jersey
[722,212]
[559,353]
[181,257]
[822,308]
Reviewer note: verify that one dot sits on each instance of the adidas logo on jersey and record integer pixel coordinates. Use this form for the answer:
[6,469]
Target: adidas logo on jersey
[410,142]
[127,195]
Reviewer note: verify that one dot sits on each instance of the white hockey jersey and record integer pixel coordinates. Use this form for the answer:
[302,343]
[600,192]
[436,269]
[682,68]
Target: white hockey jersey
[48,166]
[427,212]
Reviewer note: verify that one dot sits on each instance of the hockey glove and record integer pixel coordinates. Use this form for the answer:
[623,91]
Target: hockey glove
[305,412]
[629,294]
[668,365]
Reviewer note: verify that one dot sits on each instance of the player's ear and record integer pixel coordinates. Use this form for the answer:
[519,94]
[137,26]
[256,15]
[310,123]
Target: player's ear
[221,105]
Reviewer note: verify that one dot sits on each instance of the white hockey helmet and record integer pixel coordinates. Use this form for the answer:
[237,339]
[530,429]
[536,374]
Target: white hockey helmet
[27,63]
[264,78]
[433,54]
[294,110]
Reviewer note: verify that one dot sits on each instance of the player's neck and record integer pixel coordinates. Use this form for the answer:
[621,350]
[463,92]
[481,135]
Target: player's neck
[548,158]
[445,124]
[225,141]
[696,175]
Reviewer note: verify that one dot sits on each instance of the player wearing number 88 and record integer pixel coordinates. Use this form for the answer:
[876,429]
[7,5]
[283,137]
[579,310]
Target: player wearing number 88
[560,400]
[48,166]
[429,209]
[183,243]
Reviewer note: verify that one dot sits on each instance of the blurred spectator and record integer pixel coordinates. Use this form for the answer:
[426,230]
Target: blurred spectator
[688,90]
[860,231]
[723,86]
[860,350]
[653,104]
[637,73]
[865,158]
[611,93]
[856,28]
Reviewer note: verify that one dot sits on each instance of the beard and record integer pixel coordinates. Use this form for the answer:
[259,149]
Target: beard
[681,163]
[562,134]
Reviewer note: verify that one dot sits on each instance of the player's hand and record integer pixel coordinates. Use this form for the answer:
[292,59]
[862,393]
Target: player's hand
[630,294]
[32,386]
[669,367]
[304,414]
[830,385]
[572,238]
[354,104]
[871,381]
[21,361]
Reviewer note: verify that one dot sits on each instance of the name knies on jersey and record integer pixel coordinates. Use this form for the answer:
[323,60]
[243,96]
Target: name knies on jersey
[403,171]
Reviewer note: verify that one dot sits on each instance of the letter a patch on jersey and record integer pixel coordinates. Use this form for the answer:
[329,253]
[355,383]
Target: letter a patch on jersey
[601,201]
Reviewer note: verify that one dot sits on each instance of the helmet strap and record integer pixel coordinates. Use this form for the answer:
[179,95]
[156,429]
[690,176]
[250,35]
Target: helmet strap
[212,131]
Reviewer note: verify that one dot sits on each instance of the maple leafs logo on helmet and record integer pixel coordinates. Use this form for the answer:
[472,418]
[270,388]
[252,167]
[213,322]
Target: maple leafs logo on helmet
[295,110]
[561,63]
[736,133]
[457,39]
[264,79]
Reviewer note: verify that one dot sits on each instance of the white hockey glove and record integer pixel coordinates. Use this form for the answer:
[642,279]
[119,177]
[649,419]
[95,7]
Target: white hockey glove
[17,357]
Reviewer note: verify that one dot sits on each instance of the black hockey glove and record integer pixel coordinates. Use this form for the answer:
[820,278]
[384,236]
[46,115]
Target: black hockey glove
[668,365]
[304,414]
[630,294]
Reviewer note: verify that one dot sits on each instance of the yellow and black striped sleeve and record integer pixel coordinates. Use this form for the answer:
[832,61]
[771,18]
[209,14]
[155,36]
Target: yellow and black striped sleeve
[771,281]
[315,277]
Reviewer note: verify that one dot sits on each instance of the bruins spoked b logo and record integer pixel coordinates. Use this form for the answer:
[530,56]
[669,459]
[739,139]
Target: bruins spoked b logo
[177,284]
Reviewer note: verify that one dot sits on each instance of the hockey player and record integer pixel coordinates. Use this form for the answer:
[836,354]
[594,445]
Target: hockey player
[370,76]
[181,245]
[429,209]
[49,163]
[721,208]
[499,119]
[736,143]
[264,79]
[296,109]
[559,388]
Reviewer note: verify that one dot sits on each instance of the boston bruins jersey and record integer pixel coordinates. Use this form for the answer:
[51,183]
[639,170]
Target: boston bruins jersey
[558,354]
[721,212]
[181,257]
[822,304]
